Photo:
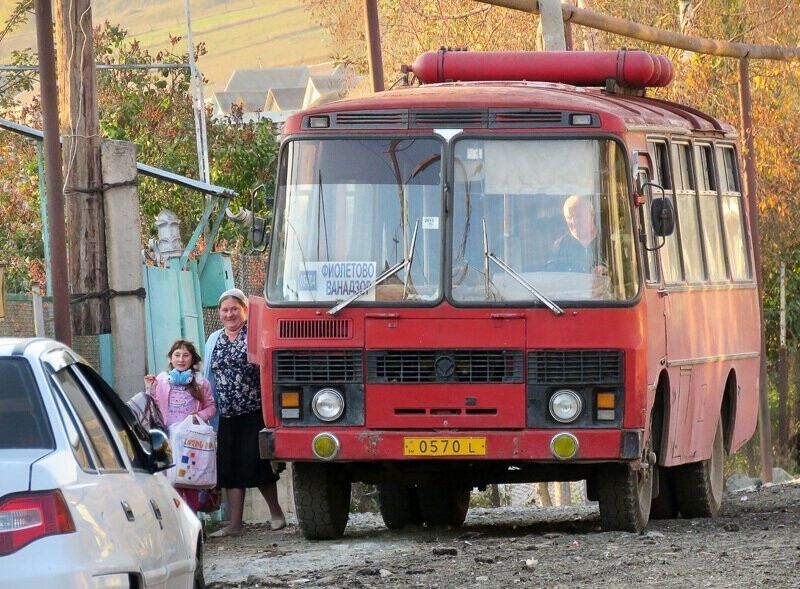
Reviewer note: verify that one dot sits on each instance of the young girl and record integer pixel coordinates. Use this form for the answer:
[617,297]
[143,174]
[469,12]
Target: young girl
[181,391]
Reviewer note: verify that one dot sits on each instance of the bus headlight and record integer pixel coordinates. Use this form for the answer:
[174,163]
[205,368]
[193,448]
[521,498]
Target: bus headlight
[565,406]
[328,404]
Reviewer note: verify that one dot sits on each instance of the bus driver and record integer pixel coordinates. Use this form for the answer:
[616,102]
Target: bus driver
[577,250]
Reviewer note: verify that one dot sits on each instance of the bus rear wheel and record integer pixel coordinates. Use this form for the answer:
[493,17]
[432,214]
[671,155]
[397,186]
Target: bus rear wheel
[699,485]
[399,505]
[322,499]
[443,505]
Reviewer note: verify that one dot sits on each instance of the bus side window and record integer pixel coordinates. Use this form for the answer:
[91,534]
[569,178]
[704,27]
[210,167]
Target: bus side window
[688,223]
[709,213]
[733,213]
[669,254]
[648,251]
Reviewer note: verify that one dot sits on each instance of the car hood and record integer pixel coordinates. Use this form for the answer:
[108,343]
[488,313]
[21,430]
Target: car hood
[16,468]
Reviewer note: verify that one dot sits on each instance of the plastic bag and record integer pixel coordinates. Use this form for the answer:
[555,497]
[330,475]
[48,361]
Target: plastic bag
[194,449]
[147,413]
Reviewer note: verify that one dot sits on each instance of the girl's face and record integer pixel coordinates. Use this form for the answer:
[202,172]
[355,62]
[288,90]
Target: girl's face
[232,314]
[181,359]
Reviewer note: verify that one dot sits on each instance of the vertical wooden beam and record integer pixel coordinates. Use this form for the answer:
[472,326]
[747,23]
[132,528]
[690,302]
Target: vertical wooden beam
[783,375]
[374,44]
[746,111]
[54,179]
[80,130]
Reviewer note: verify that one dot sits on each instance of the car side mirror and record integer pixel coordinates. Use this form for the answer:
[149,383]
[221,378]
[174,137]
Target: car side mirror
[662,216]
[161,454]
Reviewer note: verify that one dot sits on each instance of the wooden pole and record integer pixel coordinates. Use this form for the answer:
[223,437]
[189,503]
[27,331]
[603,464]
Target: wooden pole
[746,108]
[374,44]
[80,131]
[783,374]
[626,28]
[53,177]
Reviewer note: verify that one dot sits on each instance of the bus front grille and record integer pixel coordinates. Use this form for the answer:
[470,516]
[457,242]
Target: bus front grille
[444,366]
[575,366]
[318,366]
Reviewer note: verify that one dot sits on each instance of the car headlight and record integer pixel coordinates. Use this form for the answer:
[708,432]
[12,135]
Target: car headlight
[328,404]
[565,406]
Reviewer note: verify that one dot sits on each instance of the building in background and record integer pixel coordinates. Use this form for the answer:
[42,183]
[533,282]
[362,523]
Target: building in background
[276,93]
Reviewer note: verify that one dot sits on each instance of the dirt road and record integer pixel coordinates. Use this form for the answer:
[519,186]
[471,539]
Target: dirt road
[755,542]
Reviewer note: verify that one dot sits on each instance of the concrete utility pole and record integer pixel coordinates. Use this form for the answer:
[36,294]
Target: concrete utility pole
[55,194]
[80,131]
[125,266]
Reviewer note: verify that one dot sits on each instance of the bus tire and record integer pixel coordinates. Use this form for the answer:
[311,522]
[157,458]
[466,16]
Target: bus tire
[699,485]
[443,505]
[399,506]
[322,499]
[625,492]
[625,495]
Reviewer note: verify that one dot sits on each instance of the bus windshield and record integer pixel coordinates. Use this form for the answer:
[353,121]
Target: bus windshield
[544,216]
[349,211]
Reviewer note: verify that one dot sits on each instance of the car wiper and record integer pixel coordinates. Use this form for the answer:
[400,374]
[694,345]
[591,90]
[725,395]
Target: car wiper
[388,273]
[511,272]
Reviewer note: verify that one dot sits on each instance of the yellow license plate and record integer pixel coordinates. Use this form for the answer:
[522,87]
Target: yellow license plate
[444,446]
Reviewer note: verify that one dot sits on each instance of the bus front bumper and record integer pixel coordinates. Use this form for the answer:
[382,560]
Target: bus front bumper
[360,444]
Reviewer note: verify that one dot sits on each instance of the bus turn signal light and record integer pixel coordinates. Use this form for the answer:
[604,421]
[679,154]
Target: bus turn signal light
[290,405]
[606,404]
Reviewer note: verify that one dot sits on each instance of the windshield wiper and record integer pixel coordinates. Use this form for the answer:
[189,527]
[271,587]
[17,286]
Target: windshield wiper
[511,272]
[388,273]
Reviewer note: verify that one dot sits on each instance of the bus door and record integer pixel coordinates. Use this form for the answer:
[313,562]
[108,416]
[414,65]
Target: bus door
[654,294]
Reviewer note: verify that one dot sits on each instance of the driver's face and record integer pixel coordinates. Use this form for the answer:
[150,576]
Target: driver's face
[580,221]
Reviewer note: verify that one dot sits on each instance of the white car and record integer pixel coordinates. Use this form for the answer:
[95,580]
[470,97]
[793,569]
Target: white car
[82,501]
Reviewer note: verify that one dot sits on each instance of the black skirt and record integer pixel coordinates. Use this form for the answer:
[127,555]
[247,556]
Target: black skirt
[239,464]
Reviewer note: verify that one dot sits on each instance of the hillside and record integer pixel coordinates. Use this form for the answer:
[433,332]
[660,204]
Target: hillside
[237,33]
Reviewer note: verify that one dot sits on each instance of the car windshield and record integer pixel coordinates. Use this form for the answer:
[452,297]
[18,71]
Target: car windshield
[349,211]
[23,423]
[541,221]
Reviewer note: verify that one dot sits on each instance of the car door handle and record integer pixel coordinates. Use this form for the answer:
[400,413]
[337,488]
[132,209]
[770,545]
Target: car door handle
[157,513]
[128,511]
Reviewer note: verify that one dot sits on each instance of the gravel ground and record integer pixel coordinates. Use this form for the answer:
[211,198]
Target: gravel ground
[755,542]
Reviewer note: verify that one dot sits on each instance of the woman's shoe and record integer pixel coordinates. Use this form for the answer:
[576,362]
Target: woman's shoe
[277,523]
[222,533]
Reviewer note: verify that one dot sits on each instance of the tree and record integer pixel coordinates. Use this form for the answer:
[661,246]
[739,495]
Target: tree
[152,108]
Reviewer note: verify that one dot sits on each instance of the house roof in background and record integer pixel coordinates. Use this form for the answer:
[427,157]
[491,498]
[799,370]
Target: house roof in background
[285,99]
[261,80]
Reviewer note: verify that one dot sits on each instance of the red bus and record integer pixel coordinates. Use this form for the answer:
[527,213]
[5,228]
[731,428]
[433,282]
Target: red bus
[522,269]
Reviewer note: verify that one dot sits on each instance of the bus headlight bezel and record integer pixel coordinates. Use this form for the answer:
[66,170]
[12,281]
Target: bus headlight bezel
[565,405]
[327,404]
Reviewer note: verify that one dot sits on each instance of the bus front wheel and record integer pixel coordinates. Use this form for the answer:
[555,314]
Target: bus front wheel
[399,505]
[625,493]
[322,499]
[699,485]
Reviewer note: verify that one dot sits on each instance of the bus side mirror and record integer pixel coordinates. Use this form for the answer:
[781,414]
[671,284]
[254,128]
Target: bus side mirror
[662,215]
[259,235]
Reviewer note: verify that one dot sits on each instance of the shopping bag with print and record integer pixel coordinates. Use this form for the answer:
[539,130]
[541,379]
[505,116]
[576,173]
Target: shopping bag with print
[194,451]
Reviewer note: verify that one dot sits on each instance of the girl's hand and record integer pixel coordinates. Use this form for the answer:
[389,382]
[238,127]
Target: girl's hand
[149,381]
